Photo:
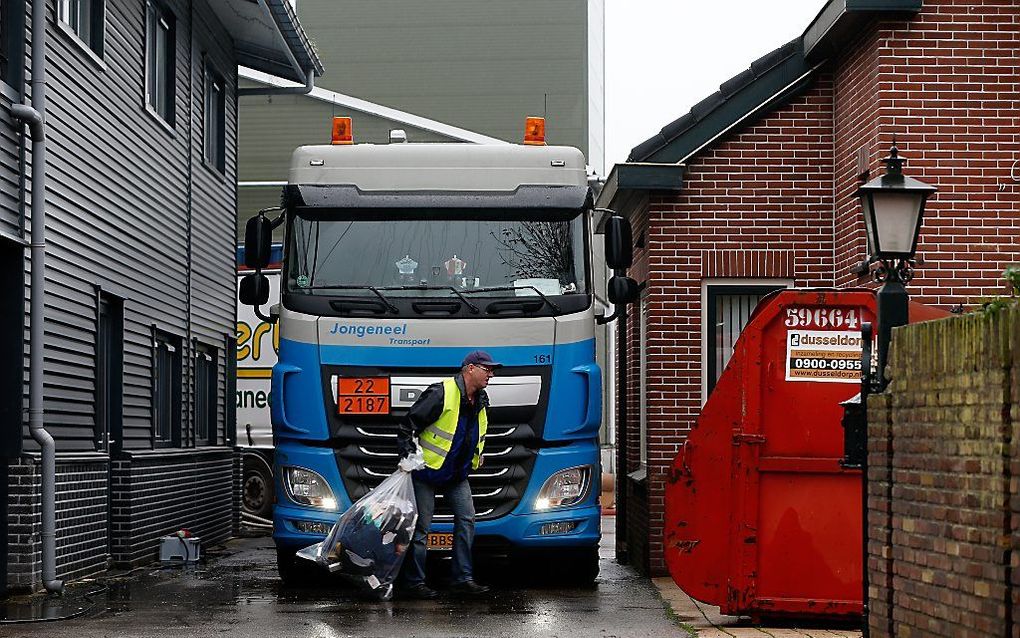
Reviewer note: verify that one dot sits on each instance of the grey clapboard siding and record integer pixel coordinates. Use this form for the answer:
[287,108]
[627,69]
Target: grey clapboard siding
[133,211]
[119,215]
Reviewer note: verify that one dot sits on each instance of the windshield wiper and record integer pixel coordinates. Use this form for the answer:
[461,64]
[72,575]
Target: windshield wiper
[393,309]
[474,309]
[537,291]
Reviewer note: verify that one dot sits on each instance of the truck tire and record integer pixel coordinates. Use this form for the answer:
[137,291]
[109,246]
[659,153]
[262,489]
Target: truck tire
[294,572]
[580,566]
[257,487]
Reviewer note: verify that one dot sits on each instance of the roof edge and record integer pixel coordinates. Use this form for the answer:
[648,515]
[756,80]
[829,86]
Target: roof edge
[769,81]
[779,73]
[627,185]
[840,20]
[294,35]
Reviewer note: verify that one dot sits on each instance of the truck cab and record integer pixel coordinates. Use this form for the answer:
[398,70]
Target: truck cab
[400,259]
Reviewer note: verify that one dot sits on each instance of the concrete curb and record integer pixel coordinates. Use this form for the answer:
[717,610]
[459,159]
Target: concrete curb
[704,621]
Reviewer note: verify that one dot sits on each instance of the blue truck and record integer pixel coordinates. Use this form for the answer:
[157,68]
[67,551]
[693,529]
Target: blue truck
[398,260]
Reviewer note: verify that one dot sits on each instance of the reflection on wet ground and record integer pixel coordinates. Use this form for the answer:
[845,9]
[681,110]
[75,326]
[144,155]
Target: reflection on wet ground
[237,592]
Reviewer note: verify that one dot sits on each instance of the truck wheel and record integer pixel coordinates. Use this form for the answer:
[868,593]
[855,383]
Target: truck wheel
[292,571]
[257,487]
[580,566]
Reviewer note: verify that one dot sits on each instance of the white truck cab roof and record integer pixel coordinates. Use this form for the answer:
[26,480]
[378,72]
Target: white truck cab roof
[438,167]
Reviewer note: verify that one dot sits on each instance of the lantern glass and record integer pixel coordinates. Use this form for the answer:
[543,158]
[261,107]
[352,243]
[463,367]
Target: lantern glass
[896,217]
[869,226]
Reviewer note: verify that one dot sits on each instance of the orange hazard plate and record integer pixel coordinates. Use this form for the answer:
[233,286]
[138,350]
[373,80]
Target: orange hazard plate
[440,542]
[363,395]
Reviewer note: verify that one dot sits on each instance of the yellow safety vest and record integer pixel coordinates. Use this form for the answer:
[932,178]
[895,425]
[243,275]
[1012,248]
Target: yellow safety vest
[437,438]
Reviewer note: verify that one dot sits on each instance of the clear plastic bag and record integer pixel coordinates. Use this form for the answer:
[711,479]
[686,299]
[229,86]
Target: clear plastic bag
[369,541]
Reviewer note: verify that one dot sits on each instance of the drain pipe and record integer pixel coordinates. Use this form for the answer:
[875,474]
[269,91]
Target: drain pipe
[282,90]
[34,117]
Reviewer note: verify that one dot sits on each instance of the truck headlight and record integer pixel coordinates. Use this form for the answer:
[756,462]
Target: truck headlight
[565,487]
[305,487]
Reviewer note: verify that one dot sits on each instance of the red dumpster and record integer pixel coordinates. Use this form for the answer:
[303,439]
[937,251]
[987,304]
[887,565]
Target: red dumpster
[761,519]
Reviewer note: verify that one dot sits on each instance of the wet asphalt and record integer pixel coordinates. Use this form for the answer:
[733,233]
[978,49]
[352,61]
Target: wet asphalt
[236,592]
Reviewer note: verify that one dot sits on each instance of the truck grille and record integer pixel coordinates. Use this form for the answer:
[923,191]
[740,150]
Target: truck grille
[366,446]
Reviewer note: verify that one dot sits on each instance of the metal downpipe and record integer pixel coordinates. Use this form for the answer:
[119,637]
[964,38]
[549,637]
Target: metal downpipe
[34,118]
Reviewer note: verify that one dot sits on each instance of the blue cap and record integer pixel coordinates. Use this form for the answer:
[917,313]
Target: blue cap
[480,357]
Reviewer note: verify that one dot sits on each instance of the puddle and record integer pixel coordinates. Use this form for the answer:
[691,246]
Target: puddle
[41,609]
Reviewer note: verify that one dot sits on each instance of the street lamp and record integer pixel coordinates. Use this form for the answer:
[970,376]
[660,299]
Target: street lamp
[893,207]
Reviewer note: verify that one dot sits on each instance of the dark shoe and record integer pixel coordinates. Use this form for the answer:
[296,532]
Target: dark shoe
[469,587]
[419,592]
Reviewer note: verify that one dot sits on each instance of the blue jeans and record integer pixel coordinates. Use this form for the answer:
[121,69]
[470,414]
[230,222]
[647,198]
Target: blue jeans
[458,495]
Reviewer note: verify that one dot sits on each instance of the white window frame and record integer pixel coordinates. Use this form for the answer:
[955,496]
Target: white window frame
[214,119]
[167,392]
[722,283]
[160,86]
[86,20]
[204,390]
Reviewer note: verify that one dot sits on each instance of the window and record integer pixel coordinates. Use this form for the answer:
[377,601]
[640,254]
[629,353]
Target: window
[166,390]
[728,309]
[215,145]
[85,18]
[5,27]
[12,23]
[160,77]
[109,374]
[205,395]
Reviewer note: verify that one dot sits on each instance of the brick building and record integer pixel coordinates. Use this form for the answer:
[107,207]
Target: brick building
[753,190]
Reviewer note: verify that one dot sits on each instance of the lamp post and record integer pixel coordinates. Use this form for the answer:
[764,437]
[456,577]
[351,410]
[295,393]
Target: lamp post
[893,207]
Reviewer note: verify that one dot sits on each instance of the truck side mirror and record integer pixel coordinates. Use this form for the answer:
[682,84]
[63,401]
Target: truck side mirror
[619,244]
[622,290]
[254,289]
[258,242]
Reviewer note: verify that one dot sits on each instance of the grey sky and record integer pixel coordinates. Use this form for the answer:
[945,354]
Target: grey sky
[664,56]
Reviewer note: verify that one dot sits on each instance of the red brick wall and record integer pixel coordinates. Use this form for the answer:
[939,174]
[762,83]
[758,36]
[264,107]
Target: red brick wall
[946,84]
[776,199]
[758,205]
[855,129]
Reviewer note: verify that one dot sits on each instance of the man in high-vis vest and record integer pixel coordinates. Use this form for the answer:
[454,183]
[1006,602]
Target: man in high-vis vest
[449,420]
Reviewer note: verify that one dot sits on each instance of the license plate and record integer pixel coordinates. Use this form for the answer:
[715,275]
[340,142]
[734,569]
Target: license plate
[363,395]
[439,542]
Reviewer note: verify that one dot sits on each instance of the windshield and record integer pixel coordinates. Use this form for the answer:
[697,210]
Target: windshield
[426,257]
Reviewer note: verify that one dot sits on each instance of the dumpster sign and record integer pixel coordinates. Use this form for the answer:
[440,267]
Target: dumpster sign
[823,345]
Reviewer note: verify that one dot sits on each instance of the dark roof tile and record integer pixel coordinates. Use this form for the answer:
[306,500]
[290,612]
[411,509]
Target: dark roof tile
[677,126]
[646,148]
[706,106]
[771,59]
[737,82]
[702,109]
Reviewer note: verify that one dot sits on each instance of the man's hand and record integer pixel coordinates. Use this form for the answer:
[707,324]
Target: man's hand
[406,449]
[411,462]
